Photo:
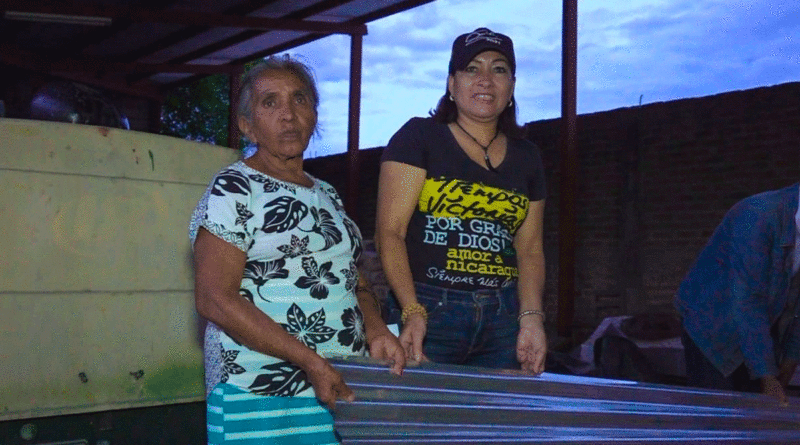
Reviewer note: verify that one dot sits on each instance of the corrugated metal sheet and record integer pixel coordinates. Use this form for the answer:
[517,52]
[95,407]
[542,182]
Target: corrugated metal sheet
[435,403]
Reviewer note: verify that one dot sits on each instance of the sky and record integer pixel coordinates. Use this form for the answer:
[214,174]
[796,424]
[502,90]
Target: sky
[632,52]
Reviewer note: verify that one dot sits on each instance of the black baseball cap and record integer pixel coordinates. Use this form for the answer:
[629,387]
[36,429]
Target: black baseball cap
[467,46]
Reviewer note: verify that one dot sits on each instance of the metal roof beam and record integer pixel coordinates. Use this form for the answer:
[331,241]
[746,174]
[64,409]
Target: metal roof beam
[180,17]
[34,61]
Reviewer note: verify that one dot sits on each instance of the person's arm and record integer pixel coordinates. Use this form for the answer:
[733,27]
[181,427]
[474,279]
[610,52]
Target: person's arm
[399,186]
[749,250]
[383,345]
[775,386]
[218,269]
[790,351]
[531,340]
[771,386]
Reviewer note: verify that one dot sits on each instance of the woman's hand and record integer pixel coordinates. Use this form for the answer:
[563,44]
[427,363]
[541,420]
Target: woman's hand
[399,187]
[328,383]
[531,345]
[773,388]
[531,339]
[414,330]
[385,346]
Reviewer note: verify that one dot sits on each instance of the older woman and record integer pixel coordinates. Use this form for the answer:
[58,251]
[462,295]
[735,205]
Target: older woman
[275,274]
[459,225]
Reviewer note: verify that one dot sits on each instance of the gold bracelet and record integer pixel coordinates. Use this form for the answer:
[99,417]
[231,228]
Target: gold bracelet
[531,312]
[414,308]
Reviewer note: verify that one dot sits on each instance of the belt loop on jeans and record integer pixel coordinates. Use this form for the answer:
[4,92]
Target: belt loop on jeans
[501,303]
[478,295]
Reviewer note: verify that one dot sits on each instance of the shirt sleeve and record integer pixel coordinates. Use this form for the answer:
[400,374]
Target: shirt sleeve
[332,194]
[751,241]
[537,188]
[408,145]
[224,209]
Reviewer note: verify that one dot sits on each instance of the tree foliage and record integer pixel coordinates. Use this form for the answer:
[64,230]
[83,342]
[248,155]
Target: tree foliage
[198,111]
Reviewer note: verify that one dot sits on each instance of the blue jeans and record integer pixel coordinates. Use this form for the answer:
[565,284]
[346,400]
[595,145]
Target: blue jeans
[468,328]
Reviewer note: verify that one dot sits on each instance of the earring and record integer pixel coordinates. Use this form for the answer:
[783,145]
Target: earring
[451,98]
[511,102]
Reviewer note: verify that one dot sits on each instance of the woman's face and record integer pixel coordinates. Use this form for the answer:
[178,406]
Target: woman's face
[483,89]
[283,117]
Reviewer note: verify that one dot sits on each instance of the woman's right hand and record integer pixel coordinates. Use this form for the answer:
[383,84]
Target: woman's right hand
[328,383]
[772,387]
[411,337]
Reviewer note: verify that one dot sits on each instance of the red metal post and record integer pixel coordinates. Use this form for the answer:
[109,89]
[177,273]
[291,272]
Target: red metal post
[351,202]
[567,233]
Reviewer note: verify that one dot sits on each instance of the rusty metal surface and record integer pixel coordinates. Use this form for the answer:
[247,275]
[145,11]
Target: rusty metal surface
[435,403]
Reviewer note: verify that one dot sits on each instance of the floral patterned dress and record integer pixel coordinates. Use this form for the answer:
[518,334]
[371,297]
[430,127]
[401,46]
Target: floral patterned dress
[301,251]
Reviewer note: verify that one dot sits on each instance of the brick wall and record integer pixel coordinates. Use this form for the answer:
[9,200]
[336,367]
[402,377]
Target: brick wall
[653,183]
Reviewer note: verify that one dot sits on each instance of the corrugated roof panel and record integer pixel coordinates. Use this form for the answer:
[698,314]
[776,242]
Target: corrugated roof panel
[189,45]
[256,44]
[434,403]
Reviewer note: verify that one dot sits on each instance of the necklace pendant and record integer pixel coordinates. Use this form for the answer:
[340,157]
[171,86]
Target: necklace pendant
[484,147]
[489,163]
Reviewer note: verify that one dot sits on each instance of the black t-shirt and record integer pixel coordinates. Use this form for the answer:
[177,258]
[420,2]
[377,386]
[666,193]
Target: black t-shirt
[461,234]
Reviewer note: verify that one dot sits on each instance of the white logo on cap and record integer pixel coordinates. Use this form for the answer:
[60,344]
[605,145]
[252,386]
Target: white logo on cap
[482,35]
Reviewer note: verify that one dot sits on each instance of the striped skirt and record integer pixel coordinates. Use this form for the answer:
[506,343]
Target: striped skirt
[239,417]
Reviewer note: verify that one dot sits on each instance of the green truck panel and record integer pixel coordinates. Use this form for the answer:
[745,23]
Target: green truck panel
[96,302]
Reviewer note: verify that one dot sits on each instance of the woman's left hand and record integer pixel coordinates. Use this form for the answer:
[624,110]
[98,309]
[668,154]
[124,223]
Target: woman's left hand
[531,345]
[385,346]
